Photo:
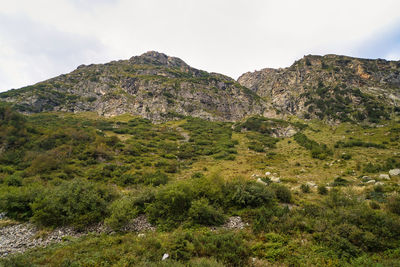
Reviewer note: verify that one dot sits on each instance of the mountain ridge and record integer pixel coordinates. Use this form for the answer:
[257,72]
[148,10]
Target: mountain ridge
[160,87]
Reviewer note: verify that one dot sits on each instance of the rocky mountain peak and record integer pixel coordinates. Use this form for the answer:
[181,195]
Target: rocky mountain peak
[157,58]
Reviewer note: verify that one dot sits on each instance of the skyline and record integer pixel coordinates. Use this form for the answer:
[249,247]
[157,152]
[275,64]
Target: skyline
[44,39]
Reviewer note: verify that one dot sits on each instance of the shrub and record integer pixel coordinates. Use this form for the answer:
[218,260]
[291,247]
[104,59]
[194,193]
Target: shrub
[374,205]
[171,205]
[201,212]
[340,182]
[318,151]
[252,194]
[227,247]
[78,203]
[155,178]
[16,202]
[282,193]
[13,180]
[121,212]
[305,188]
[322,190]
[393,204]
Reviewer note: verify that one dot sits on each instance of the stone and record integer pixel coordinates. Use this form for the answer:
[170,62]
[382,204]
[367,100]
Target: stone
[394,172]
[165,256]
[370,182]
[261,181]
[384,176]
[267,174]
[311,184]
[379,183]
[234,222]
[275,179]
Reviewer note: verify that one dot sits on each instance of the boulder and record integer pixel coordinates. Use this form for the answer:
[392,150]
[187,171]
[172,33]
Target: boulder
[384,176]
[275,179]
[394,172]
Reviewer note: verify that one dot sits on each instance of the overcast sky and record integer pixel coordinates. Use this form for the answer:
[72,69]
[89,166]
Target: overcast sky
[40,39]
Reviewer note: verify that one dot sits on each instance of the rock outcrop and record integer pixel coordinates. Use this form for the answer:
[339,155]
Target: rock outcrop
[336,88]
[153,85]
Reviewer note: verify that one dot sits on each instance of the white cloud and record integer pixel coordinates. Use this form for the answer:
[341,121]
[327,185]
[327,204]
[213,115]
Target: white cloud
[227,36]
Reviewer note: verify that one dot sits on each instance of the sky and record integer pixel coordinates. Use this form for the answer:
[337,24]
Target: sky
[41,39]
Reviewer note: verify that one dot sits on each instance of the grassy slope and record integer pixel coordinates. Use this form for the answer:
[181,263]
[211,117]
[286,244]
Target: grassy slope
[290,161]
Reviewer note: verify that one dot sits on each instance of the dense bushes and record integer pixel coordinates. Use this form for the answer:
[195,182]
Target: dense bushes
[78,203]
[17,201]
[208,138]
[358,143]
[201,212]
[121,212]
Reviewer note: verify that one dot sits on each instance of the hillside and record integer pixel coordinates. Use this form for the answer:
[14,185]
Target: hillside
[108,166]
[331,87]
[153,85]
[160,88]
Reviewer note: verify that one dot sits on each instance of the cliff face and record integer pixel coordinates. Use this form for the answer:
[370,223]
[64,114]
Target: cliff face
[159,87]
[336,88]
[153,85]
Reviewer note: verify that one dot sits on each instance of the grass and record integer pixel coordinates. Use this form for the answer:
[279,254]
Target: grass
[141,147]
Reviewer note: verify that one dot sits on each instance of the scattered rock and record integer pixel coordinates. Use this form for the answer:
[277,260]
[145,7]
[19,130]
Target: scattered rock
[311,184]
[139,224]
[384,176]
[165,256]
[267,174]
[394,172]
[379,183]
[234,222]
[275,179]
[370,182]
[20,237]
[261,181]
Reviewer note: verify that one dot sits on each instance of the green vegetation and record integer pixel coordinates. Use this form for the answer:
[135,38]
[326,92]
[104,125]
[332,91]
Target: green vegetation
[188,177]
[318,151]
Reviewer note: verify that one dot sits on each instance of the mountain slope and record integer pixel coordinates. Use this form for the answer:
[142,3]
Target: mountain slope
[153,85]
[337,88]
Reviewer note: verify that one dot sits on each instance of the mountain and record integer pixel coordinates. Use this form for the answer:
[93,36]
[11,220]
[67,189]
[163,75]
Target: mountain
[331,87]
[158,87]
[153,85]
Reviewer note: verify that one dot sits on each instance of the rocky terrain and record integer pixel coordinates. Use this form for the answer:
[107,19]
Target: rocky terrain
[160,88]
[337,88]
[153,85]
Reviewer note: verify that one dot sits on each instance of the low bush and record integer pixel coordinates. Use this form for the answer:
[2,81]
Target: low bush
[252,194]
[17,201]
[201,212]
[282,193]
[393,204]
[121,212]
[305,188]
[322,190]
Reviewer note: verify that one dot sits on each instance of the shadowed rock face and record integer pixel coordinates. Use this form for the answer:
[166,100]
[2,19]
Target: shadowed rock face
[332,87]
[159,87]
